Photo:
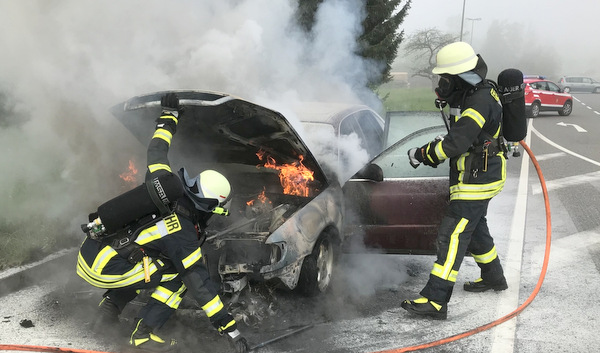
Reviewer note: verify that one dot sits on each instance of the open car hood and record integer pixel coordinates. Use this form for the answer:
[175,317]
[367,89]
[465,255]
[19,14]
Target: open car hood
[219,128]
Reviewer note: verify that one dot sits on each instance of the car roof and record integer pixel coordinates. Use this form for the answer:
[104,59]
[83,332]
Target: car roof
[329,113]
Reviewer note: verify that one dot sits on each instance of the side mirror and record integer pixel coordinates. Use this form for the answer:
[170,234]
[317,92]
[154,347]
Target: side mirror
[370,172]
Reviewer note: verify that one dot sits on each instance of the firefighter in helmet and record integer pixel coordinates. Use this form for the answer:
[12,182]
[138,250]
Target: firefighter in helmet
[165,255]
[476,153]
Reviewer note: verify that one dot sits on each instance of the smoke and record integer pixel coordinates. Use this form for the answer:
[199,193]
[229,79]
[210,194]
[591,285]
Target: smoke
[66,62]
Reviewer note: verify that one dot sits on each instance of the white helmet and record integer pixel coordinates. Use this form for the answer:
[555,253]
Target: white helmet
[207,190]
[455,58]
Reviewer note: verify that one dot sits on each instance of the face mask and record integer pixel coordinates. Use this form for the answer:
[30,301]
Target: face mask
[446,86]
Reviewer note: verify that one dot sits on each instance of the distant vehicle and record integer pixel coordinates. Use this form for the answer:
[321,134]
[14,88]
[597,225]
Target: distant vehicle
[579,84]
[543,95]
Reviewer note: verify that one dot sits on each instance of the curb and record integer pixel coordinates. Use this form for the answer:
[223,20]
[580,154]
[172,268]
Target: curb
[17,278]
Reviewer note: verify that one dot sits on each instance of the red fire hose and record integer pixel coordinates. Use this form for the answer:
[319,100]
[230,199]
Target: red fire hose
[27,348]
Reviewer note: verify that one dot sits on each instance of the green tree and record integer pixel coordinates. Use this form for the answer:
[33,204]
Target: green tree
[381,36]
[424,45]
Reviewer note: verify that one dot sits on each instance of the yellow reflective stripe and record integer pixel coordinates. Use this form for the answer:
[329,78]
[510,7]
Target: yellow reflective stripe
[163,134]
[148,235]
[439,151]
[497,131]
[487,257]
[445,271]
[97,279]
[167,297]
[192,258]
[169,116]
[159,166]
[474,114]
[102,258]
[453,275]
[213,306]
[427,153]
[229,324]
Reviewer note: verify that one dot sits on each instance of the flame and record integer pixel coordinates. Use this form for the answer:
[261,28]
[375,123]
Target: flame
[130,175]
[262,198]
[294,177]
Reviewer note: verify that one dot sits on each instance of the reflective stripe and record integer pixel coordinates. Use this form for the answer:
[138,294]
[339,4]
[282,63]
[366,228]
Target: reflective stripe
[159,166]
[487,257]
[445,271]
[164,227]
[427,153]
[167,297]
[95,277]
[474,114]
[163,135]
[192,258]
[213,306]
[439,151]
[171,117]
[229,324]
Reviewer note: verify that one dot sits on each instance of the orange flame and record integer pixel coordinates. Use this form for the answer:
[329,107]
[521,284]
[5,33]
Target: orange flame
[262,198]
[294,177]
[131,173]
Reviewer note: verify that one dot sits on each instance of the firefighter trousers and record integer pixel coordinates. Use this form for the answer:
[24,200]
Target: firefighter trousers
[463,229]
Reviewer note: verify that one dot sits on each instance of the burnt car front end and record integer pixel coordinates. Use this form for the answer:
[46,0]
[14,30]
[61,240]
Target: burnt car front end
[282,203]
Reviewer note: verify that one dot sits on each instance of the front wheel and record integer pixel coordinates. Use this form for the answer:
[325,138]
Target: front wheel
[317,268]
[567,89]
[535,110]
[566,109]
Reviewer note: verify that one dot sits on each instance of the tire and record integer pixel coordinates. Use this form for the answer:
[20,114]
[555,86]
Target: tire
[534,111]
[567,89]
[317,268]
[566,109]
[597,90]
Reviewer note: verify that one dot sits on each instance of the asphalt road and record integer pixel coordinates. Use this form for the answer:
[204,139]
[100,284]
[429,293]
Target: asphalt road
[363,313]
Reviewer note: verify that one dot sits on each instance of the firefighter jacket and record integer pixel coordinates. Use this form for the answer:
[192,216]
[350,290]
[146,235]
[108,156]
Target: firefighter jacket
[473,146]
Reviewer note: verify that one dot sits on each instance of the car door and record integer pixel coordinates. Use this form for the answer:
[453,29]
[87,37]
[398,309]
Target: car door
[558,98]
[401,213]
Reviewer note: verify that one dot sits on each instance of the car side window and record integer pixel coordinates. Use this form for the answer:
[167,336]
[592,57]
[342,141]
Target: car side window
[587,80]
[368,129]
[552,87]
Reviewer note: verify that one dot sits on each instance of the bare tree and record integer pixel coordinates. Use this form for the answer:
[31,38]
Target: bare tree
[424,45]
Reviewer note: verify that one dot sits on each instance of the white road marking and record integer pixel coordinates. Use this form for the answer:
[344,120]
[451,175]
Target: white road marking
[545,157]
[503,340]
[577,127]
[567,182]
[550,142]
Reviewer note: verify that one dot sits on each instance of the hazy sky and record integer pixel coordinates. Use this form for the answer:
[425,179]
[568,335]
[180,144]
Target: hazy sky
[567,29]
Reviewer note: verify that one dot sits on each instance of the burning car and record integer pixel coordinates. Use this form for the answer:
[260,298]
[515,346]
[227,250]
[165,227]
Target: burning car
[288,212]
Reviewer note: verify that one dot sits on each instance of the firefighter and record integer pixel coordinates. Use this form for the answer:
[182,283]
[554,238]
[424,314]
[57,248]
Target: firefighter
[166,255]
[475,150]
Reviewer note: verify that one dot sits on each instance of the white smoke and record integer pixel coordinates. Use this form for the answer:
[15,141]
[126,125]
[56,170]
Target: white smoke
[64,63]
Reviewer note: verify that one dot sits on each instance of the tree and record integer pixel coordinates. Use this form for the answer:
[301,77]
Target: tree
[380,39]
[424,45]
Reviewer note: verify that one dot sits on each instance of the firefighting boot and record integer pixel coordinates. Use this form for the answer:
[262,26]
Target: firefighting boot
[481,285]
[142,338]
[108,315]
[427,308]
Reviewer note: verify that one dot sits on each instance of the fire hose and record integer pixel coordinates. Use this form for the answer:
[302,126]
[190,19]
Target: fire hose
[517,311]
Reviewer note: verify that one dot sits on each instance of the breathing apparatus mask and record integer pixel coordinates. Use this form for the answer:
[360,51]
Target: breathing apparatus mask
[452,87]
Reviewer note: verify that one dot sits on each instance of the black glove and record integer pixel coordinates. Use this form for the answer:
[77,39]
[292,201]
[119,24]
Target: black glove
[238,342]
[169,102]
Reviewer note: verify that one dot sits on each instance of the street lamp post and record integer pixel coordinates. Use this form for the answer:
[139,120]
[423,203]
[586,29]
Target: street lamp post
[472,26]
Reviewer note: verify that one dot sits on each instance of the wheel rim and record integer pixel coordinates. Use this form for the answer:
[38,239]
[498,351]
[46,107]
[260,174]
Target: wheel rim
[324,265]
[535,109]
[567,108]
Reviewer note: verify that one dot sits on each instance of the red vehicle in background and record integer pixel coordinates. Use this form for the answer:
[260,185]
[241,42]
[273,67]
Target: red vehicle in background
[543,95]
